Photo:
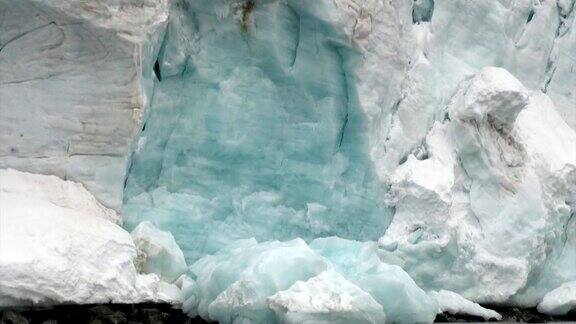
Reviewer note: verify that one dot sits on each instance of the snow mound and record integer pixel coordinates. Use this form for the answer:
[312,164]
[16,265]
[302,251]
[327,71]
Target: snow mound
[58,245]
[329,280]
[65,194]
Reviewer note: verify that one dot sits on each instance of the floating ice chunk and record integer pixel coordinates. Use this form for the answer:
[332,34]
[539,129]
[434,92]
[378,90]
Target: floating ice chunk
[452,303]
[326,298]
[330,280]
[158,252]
[58,246]
[493,92]
[498,206]
[190,298]
[170,293]
[234,284]
[560,300]
[400,297]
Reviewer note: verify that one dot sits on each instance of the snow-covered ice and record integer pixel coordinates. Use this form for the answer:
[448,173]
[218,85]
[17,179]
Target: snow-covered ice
[59,245]
[484,222]
[74,86]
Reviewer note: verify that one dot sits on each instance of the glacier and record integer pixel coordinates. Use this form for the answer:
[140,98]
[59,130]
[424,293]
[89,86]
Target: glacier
[78,69]
[265,141]
[291,161]
[492,206]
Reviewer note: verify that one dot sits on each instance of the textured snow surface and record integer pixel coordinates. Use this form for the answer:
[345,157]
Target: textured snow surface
[560,300]
[65,194]
[158,252]
[58,245]
[330,280]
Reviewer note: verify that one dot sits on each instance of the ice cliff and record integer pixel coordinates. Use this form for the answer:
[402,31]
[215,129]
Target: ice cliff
[72,87]
[290,161]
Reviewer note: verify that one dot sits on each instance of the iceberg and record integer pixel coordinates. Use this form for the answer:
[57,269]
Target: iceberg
[452,303]
[326,298]
[329,280]
[158,252]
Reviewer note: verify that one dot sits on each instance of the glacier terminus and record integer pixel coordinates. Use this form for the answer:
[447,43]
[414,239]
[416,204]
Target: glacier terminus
[290,161]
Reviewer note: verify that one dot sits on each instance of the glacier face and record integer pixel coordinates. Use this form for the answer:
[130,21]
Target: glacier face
[58,245]
[392,158]
[250,134]
[502,206]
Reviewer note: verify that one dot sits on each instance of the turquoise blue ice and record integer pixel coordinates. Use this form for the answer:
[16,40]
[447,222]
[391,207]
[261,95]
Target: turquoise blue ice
[332,280]
[254,131]
[253,147]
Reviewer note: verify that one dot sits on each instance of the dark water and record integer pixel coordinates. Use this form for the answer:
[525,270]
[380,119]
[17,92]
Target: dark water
[97,314]
[510,315]
[164,313]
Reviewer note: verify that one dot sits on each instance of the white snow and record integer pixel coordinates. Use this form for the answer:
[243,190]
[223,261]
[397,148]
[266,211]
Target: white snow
[326,298]
[489,205]
[58,245]
[65,194]
[560,300]
[452,303]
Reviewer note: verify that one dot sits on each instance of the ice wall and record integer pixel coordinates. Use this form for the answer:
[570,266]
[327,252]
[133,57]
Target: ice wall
[92,65]
[282,120]
[499,202]
[255,130]
[73,79]
[427,60]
